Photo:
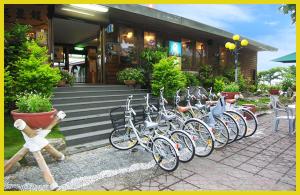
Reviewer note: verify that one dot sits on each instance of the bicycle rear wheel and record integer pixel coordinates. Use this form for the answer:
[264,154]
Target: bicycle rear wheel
[184,144]
[201,135]
[241,123]
[221,133]
[232,125]
[251,121]
[165,154]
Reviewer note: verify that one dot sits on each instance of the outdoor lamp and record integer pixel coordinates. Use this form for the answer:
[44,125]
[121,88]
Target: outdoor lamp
[236,37]
[232,46]
[244,42]
[227,45]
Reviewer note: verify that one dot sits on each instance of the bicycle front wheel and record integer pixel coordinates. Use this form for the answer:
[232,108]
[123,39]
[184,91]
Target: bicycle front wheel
[123,139]
[201,135]
[165,154]
[184,144]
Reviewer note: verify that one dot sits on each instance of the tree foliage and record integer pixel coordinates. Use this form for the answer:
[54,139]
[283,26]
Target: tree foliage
[270,75]
[289,9]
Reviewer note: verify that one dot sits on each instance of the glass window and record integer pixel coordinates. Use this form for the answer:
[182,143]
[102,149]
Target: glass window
[128,45]
[187,54]
[149,40]
[200,53]
[223,56]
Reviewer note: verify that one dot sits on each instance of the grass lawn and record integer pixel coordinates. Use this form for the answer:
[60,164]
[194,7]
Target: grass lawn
[13,139]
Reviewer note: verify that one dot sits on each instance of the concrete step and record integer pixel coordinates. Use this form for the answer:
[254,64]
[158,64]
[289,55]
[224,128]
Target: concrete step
[88,137]
[91,87]
[94,104]
[81,93]
[86,128]
[62,100]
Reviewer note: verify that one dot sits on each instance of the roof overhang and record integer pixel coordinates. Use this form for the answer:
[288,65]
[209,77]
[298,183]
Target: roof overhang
[143,14]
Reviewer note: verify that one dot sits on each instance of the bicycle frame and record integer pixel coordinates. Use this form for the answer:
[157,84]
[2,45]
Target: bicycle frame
[128,119]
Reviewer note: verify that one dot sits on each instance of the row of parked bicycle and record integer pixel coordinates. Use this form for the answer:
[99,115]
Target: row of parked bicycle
[175,134]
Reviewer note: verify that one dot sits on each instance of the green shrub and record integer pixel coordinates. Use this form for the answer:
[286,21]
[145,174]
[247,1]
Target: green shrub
[191,79]
[35,74]
[66,76]
[150,56]
[206,75]
[275,87]
[289,81]
[131,74]
[219,85]
[26,66]
[167,74]
[263,88]
[32,103]
[231,87]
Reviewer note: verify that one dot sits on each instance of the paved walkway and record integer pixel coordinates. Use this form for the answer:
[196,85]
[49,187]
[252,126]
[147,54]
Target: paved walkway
[265,161]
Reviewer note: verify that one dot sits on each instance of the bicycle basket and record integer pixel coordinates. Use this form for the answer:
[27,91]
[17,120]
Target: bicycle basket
[117,117]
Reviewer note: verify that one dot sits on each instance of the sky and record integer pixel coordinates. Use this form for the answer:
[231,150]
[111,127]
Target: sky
[263,23]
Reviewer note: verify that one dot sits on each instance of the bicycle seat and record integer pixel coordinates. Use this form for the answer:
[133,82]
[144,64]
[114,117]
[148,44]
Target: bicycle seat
[182,108]
[230,101]
[150,125]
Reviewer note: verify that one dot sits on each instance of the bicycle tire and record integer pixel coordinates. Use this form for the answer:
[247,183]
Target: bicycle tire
[251,128]
[117,145]
[241,123]
[184,144]
[232,125]
[192,126]
[160,158]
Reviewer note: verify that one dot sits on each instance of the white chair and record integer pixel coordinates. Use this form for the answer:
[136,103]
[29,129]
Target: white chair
[282,113]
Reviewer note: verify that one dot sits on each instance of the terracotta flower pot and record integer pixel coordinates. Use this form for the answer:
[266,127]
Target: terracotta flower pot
[130,82]
[250,107]
[274,91]
[35,120]
[229,95]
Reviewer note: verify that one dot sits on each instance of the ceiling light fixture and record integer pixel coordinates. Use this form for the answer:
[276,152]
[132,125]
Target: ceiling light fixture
[93,7]
[76,11]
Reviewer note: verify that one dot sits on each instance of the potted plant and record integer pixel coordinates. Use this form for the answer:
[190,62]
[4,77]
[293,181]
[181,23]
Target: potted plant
[131,76]
[230,90]
[66,78]
[35,109]
[274,90]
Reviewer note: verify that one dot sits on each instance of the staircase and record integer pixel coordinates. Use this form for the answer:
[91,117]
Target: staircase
[87,124]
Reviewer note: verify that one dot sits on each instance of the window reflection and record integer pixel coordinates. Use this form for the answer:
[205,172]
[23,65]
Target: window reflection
[200,53]
[222,58]
[127,43]
[187,54]
[149,40]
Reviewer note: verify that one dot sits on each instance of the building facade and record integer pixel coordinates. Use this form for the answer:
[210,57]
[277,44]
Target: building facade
[94,45]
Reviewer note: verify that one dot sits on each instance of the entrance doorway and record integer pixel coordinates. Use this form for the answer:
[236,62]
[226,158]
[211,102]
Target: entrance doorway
[77,49]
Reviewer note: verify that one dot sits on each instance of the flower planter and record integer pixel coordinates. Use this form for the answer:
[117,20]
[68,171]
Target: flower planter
[229,95]
[250,107]
[274,91]
[130,82]
[35,120]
